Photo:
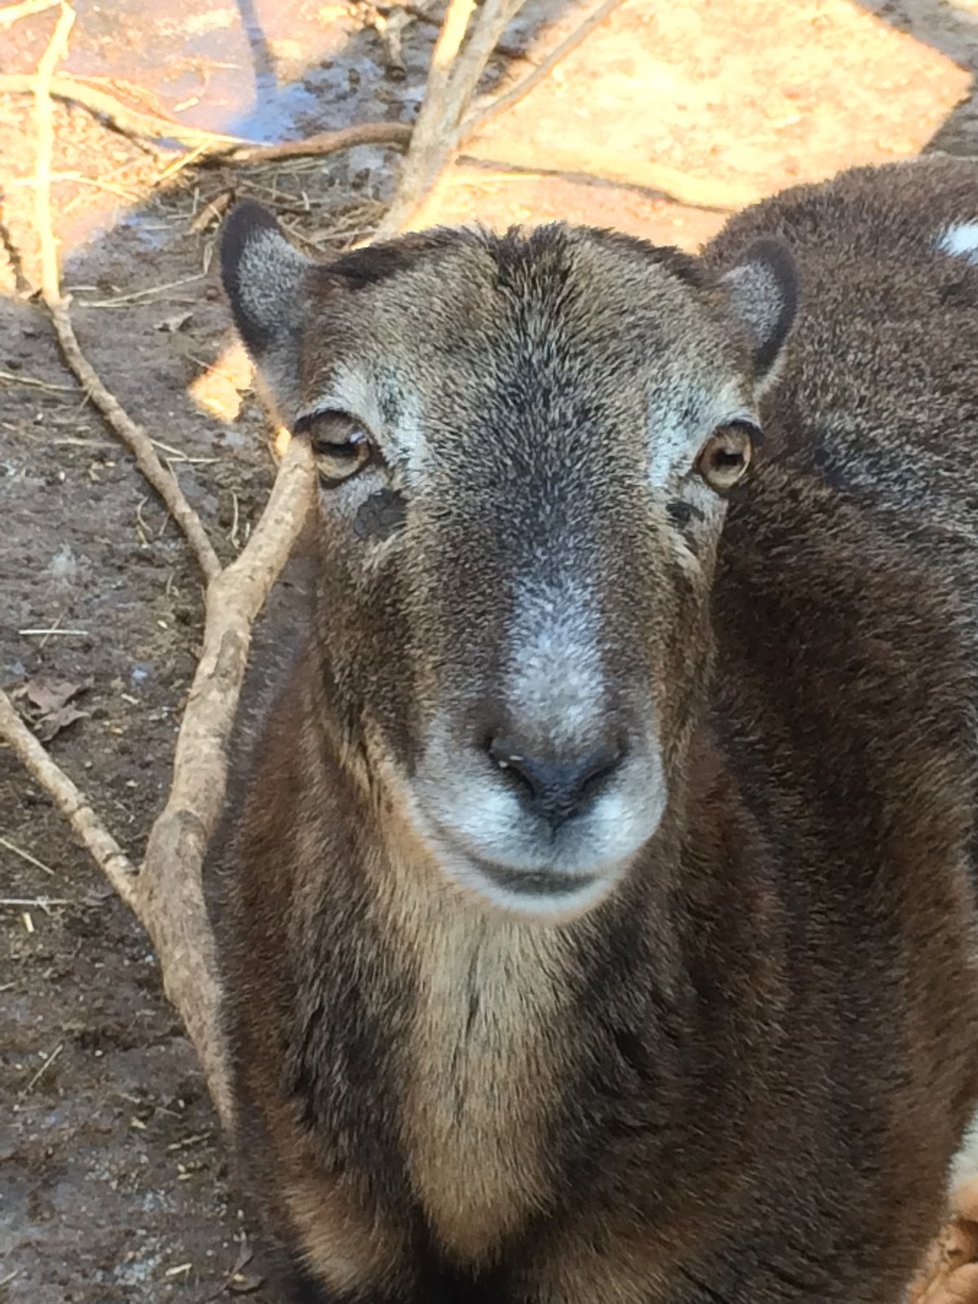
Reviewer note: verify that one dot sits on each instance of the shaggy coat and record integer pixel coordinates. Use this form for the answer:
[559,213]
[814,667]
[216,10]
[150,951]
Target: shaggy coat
[738,1071]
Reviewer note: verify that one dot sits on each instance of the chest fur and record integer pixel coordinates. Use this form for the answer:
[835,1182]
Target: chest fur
[483,1072]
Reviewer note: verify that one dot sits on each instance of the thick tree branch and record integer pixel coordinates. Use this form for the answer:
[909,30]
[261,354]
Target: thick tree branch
[171,900]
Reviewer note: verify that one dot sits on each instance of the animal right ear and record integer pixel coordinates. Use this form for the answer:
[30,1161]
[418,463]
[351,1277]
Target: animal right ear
[762,290]
[264,278]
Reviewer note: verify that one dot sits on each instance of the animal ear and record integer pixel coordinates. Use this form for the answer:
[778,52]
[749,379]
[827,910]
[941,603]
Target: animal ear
[264,278]
[762,290]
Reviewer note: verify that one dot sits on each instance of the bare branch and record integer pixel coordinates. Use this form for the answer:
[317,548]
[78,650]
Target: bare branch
[171,895]
[483,113]
[452,80]
[115,864]
[135,439]
[325,142]
[44,118]
[132,435]
[210,147]
[130,121]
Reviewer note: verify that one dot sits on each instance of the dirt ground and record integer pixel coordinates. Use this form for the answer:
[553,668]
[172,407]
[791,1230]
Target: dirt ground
[113,1181]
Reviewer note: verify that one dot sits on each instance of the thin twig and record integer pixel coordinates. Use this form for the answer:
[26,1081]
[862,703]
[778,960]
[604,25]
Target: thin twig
[76,810]
[452,80]
[33,382]
[131,122]
[136,440]
[145,293]
[54,629]
[26,855]
[39,903]
[325,142]
[208,147]
[44,119]
[483,113]
[49,1060]
[132,435]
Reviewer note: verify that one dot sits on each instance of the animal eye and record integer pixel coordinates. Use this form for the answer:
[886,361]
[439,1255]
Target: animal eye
[340,443]
[726,455]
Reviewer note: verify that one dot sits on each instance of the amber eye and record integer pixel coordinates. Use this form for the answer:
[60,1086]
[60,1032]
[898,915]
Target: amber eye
[726,455]
[340,443]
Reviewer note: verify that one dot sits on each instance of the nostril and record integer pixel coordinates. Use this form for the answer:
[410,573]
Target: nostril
[556,788]
[507,756]
[597,765]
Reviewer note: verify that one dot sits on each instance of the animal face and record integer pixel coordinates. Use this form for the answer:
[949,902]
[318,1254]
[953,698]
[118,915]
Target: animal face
[524,445]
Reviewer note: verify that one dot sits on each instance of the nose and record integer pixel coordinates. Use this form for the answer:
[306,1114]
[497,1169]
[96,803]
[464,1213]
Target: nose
[555,787]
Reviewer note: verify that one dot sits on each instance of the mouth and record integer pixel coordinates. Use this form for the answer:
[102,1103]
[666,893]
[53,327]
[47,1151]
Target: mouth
[557,886]
[484,838]
[535,894]
[537,882]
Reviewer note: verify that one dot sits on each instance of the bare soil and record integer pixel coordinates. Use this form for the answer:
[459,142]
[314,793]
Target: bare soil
[113,1181]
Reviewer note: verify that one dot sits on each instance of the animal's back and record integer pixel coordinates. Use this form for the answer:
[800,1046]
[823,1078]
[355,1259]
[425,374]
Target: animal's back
[877,394]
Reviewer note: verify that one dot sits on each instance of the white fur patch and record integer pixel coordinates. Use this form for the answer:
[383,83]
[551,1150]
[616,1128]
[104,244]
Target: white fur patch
[362,394]
[960,240]
[671,447]
[555,683]
[349,391]
[674,439]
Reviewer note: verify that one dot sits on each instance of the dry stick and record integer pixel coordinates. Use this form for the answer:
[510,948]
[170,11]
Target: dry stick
[484,112]
[11,14]
[596,163]
[215,147]
[323,143]
[424,156]
[44,119]
[132,122]
[114,862]
[171,897]
[132,435]
[452,80]
[136,440]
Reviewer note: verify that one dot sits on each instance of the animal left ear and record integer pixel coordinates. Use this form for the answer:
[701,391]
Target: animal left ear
[762,291]
[266,280]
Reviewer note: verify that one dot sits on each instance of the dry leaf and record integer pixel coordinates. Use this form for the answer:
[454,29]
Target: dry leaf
[51,724]
[44,703]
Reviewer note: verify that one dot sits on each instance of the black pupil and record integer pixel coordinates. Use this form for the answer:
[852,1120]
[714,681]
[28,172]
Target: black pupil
[724,458]
[346,451]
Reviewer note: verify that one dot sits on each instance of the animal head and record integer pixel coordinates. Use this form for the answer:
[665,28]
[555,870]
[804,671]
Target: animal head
[524,444]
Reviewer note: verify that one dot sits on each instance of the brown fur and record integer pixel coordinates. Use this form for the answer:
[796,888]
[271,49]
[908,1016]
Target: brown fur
[741,1074]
